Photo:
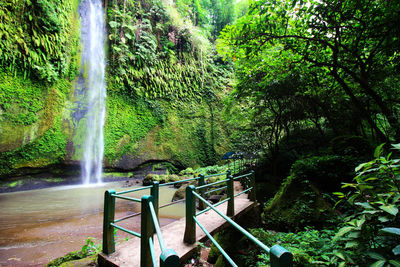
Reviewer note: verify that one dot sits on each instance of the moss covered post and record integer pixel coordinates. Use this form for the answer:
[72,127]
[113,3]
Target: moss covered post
[202,181]
[231,197]
[190,228]
[252,194]
[147,231]
[154,192]
[108,218]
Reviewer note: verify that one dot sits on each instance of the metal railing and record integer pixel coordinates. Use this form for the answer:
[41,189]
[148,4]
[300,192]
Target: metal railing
[150,225]
[149,221]
[279,256]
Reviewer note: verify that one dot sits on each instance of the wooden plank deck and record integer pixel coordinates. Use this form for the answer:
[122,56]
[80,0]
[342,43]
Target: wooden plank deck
[128,253]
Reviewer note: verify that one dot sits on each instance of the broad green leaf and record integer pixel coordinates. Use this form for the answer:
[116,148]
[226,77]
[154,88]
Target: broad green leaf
[365,205]
[379,150]
[351,244]
[375,256]
[390,209]
[391,230]
[339,255]
[359,167]
[383,219]
[396,146]
[113,24]
[342,231]
[379,263]
[396,250]
[361,222]
[395,263]
[340,194]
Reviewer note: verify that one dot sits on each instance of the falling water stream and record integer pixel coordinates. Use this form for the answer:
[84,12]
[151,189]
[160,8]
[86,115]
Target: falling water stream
[93,65]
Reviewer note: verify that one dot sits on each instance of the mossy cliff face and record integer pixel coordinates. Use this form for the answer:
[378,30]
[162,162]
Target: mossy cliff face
[186,134]
[38,59]
[154,112]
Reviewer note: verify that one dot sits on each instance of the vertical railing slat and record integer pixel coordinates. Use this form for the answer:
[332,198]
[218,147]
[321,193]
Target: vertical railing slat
[190,228]
[231,202]
[202,206]
[108,218]
[252,194]
[154,192]
[147,231]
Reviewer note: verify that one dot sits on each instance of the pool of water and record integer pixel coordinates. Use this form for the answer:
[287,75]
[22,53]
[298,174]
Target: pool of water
[40,225]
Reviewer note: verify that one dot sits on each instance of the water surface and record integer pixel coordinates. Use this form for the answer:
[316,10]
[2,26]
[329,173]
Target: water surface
[40,225]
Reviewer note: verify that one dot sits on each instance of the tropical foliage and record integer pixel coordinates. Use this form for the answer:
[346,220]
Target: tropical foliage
[332,65]
[38,38]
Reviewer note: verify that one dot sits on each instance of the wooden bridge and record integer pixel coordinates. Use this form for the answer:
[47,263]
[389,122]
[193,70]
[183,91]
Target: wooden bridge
[176,242]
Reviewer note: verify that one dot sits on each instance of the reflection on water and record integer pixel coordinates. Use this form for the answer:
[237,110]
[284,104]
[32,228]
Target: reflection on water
[39,225]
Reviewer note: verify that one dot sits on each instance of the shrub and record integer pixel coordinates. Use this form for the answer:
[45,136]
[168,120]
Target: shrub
[371,233]
[309,247]
[188,171]
[326,172]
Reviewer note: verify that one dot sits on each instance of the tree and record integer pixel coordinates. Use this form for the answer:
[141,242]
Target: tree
[348,45]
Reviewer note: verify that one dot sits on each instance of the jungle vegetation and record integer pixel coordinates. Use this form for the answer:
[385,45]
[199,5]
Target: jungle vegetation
[311,87]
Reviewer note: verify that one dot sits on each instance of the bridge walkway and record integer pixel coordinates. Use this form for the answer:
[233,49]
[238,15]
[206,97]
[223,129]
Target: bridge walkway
[128,253]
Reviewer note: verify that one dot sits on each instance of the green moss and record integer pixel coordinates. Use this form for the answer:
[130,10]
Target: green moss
[14,184]
[53,180]
[117,174]
[227,239]
[300,200]
[126,123]
[20,99]
[39,39]
[45,150]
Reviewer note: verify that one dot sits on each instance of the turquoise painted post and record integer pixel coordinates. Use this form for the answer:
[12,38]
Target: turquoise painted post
[154,192]
[280,257]
[169,258]
[147,231]
[252,194]
[202,205]
[231,201]
[108,218]
[190,228]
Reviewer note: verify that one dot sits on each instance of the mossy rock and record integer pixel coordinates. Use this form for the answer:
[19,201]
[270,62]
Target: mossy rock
[297,204]
[188,171]
[173,178]
[88,261]
[180,193]
[227,239]
[220,261]
[72,256]
[150,178]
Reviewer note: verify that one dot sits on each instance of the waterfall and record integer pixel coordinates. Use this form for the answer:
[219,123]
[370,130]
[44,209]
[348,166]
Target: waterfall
[94,88]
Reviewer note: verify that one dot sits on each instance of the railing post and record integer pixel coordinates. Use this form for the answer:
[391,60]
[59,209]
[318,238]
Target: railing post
[202,205]
[169,258]
[252,194]
[108,218]
[147,231]
[154,191]
[231,196]
[190,229]
[280,257]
